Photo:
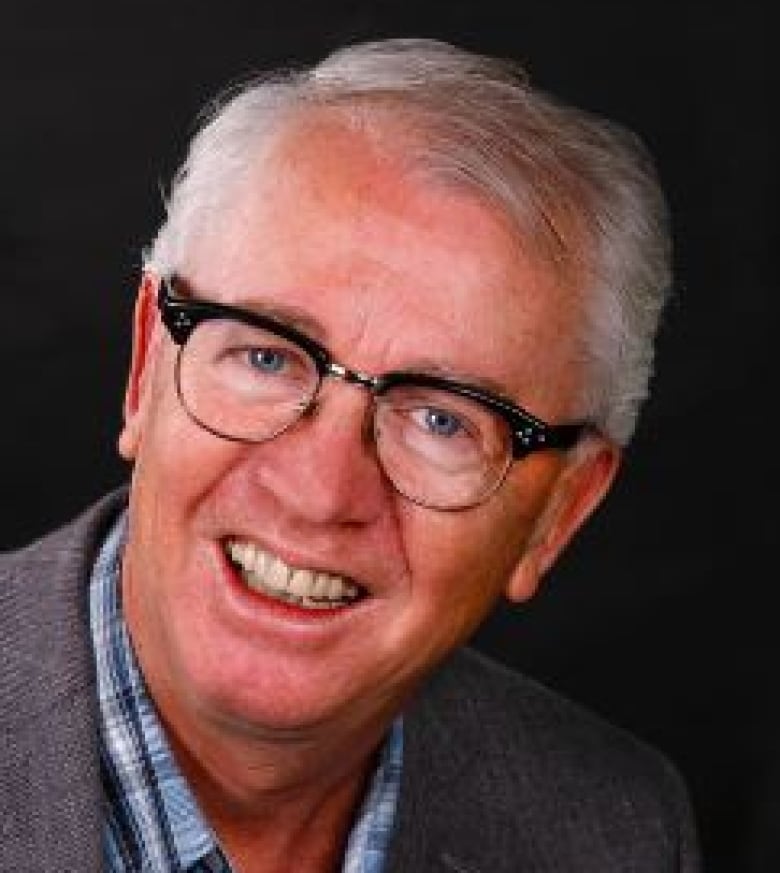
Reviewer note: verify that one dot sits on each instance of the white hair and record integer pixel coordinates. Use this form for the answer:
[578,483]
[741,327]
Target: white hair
[582,187]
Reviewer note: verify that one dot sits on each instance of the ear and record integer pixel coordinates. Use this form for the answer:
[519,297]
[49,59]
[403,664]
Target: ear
[582,485]
[136,391]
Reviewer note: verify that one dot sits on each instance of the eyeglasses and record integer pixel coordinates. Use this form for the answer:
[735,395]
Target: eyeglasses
[442,443]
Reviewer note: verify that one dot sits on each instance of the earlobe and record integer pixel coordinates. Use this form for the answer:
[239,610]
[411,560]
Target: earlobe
[144,320]
[581,488]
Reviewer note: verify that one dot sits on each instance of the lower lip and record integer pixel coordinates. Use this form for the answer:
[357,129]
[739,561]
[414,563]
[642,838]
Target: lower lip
[282,608]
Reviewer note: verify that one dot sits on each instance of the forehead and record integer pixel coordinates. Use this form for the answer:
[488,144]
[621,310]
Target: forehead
[395,267]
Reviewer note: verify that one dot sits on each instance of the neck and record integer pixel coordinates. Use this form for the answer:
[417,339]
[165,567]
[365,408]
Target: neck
[303,830]
[277,807]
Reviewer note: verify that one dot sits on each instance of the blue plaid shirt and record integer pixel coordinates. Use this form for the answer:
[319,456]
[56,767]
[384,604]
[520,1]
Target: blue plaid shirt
[152,821]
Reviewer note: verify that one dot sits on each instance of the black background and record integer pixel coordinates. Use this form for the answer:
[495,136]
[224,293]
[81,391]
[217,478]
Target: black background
[660,616]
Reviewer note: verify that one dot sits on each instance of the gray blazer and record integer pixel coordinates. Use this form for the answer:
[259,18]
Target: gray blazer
[500,775]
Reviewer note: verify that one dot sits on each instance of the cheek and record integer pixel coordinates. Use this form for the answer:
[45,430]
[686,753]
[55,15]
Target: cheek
[177,468]
[176,460]
[460,564]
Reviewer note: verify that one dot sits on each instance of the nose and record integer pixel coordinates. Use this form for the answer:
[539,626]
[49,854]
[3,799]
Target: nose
[324,468]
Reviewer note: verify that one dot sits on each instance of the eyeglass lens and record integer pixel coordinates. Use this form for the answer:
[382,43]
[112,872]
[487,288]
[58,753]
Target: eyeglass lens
[247,383]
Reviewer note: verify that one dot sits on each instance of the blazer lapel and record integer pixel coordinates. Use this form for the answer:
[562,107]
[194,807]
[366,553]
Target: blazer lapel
[50,815]
[437,828]
[50,796]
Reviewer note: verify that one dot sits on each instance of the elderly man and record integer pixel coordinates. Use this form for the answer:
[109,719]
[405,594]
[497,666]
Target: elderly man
[388,345]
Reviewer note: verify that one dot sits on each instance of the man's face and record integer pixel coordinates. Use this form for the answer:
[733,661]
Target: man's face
[388,273]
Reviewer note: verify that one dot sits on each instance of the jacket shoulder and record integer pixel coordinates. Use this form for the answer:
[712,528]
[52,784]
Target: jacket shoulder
[539,780]
[49,768]
[525,725]
[44,618]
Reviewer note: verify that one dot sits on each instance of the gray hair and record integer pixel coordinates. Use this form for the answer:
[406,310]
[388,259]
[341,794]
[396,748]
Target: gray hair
[582,187]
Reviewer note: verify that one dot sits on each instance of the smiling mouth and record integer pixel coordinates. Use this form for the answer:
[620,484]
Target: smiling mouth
[268,574]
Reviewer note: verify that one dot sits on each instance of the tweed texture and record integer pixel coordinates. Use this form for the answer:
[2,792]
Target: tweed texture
[501,775]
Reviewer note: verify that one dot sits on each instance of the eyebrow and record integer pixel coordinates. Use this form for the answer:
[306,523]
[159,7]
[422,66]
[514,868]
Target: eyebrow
[303,321]
[436,368]
[292,316]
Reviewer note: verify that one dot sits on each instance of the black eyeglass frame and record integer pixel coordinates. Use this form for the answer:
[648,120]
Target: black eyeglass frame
[181,315]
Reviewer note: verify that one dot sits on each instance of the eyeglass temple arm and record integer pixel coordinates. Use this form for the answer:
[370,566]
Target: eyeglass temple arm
[533,437]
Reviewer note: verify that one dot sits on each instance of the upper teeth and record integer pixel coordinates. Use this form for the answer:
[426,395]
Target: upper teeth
[271,575]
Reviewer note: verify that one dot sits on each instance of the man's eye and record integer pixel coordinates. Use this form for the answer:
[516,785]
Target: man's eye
[267,360]
[439,422]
